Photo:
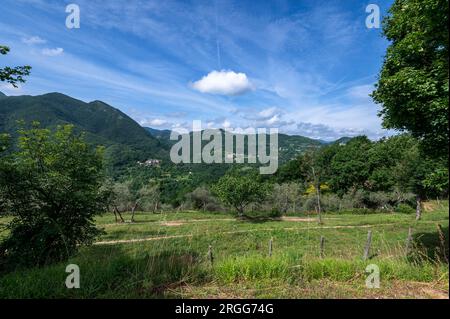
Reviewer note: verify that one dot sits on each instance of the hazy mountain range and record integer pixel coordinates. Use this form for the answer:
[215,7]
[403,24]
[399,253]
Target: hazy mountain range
[125,140]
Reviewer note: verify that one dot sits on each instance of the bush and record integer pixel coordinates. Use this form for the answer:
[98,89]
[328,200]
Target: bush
[405,209]
[202,199]
[52,186]
[331,203]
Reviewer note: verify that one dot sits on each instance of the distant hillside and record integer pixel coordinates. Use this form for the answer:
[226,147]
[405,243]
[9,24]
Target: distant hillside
[125,140]
[289,145]
[343,140]
[161,134]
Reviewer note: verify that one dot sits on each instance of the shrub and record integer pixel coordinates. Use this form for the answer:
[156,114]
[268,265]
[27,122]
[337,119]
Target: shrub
[52,186]
[284,197]
[405,209]
[201,198]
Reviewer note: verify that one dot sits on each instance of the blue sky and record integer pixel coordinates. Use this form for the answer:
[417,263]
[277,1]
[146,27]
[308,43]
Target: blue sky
[304,66]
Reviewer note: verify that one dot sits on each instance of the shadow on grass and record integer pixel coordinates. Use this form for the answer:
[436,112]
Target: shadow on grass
[124,233]
[258,219]
[431,246]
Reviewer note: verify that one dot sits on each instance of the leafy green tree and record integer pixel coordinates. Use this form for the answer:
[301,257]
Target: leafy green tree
[51,185]
[238,191]
[13,75]
[421,176]
[349,167]
[413,83]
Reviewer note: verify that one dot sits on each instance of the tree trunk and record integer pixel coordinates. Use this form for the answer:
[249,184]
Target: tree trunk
[318,205]
[116,211]
[317,187]
[418,208]
[133,209]
[240,211]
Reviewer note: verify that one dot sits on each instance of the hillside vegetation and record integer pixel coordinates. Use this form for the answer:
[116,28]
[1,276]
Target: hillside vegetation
[126,141]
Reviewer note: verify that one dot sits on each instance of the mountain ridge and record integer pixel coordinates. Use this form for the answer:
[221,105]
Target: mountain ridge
[125,140]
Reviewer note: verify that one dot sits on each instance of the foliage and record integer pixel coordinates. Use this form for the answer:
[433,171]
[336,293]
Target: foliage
[238,191]
[393,164]
[201,198]
[405,209]
[13,75]
[125,141]
[51,186]
[284,197]
[414,81]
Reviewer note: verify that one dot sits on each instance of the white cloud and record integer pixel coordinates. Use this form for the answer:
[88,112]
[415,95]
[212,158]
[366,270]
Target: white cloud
[157,122]
[223,83]
[268,113]
[33,40]
[52,52]
[226,124]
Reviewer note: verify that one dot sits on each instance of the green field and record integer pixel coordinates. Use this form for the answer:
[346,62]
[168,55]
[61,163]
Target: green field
[166,256]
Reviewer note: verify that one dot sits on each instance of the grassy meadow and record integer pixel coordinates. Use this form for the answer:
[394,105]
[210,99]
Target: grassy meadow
[165,255]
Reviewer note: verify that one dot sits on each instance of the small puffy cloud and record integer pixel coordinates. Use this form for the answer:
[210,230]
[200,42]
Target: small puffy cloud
[157,122]
[226,124]
[52,52]
[223,83]
[33,40]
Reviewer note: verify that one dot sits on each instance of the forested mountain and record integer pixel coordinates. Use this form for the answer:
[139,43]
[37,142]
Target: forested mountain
[125,140]
[289,146]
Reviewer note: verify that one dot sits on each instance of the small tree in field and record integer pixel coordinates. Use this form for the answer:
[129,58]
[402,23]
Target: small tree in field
[119,199]
[239,191]
[149,197]
[51,186]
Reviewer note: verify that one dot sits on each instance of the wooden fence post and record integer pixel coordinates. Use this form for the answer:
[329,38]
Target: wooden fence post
[442,241]
[210,255]
[322,243]
[270,246]
[368,243]
[408,241]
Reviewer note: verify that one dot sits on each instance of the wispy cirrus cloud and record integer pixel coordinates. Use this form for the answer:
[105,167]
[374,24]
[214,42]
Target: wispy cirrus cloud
[309,62]
[52,52]
[33,40]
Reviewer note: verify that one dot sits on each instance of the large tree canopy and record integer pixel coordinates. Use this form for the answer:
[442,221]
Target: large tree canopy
[413,83]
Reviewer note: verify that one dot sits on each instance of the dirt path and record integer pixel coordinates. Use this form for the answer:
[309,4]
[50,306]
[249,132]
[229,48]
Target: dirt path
[168,222]
[179,222]
[126,241]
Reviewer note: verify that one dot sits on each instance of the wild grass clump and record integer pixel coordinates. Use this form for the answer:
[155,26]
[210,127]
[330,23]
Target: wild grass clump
[256,267]
[285,268]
